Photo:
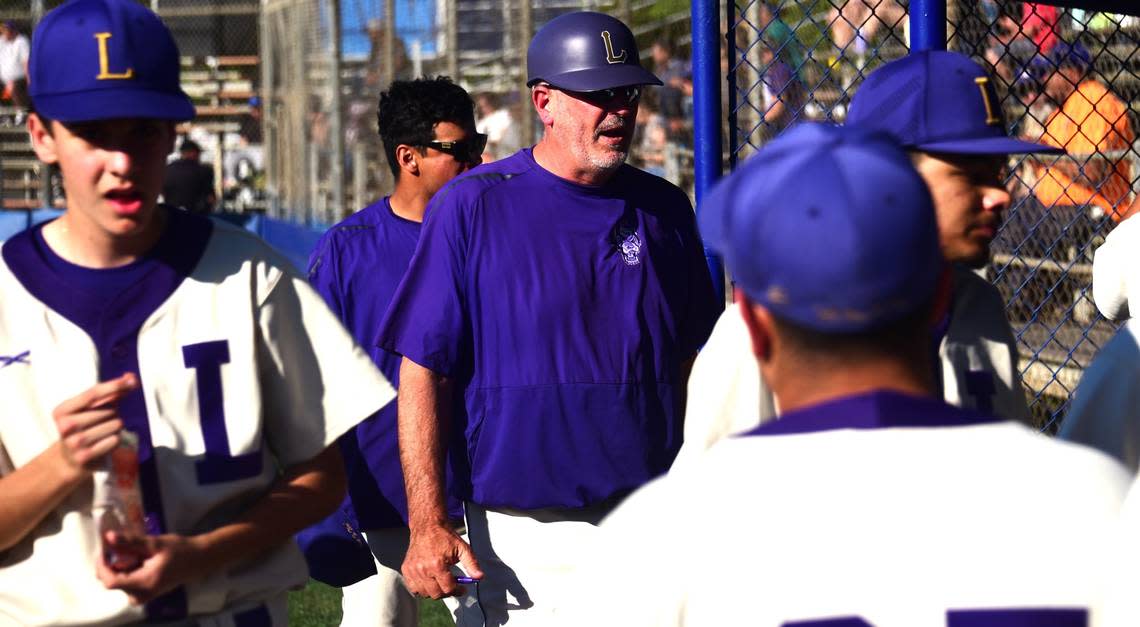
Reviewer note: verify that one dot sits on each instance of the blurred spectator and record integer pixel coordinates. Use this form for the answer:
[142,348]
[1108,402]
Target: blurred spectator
[670,96]
[496,122]
[1092,126]
[251,124]
[1020,36]
[651,135]
[189,184]
[855,23]
[378,33]
[783,93]
[14,69]
[774,28]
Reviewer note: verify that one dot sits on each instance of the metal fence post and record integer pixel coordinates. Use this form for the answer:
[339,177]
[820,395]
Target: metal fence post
[526,113]
[928,25]
[336,119]
[707,142]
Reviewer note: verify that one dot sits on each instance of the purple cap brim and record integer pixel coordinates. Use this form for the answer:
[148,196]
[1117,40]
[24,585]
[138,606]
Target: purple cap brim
[121,102]
[594,79]
[988,146]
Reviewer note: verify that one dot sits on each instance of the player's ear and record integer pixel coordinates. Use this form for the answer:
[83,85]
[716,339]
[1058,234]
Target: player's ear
[540,97]
[43,142]
[759,324]
[408,159]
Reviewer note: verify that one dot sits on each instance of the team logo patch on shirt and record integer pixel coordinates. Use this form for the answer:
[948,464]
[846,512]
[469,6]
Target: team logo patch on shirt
[22,358]
[630,246]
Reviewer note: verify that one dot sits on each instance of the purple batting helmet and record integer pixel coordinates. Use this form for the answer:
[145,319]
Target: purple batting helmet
[585,51]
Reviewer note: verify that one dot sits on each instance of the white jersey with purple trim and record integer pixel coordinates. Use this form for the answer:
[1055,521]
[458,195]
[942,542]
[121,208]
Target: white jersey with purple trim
[244,371]
[858,524]
[978,369]
[1105,409]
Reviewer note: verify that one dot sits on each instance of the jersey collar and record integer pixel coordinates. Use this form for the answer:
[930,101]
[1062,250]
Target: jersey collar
[880,409]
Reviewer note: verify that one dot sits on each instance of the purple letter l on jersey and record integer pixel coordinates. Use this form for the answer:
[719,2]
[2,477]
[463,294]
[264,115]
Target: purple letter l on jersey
[219,465]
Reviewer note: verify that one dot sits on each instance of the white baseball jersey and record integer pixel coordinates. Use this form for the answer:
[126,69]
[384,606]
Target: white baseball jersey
[1105,409]
[977,369]
[1115,271]
[1122,603]
[244,371]
[862,508]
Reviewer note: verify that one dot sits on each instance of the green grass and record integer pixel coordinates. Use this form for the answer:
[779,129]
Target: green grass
[318,605]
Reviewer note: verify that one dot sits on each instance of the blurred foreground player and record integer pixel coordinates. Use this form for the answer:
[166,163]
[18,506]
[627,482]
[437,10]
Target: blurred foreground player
[560,294]
[126,315]
[942,108]
[428,130]
[1105,409]
[870,499]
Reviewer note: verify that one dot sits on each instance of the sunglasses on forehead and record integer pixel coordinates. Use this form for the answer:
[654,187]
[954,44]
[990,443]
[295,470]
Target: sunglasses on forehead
[469,150]
[602,98]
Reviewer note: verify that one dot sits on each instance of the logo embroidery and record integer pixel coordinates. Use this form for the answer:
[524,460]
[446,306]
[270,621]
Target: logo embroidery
[983,83]
[22,358]
[630,246]
[105,72]
[612,58]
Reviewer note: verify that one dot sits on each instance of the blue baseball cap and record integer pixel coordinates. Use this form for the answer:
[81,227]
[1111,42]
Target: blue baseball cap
[937,101]
[105,59]
[829,227]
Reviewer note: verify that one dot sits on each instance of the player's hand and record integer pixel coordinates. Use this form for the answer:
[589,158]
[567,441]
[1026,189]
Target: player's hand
[167,561]
[432,551]
[89,423]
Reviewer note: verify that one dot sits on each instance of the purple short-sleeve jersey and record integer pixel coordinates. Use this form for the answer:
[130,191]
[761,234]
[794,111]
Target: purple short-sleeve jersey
[356,267]
[564,312]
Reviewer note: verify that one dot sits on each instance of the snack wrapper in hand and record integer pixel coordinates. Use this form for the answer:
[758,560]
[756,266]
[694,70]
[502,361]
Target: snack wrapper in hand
[118,501]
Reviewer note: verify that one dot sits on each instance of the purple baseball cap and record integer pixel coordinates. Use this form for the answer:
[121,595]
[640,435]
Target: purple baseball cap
[937,101]
[829,227]
[586,51]
[105,59]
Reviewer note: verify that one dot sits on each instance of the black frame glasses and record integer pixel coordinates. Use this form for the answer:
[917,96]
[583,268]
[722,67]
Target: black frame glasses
[469,150]
[607,98]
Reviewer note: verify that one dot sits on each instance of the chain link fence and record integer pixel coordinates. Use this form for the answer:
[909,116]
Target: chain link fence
[481,44]
[1067,77]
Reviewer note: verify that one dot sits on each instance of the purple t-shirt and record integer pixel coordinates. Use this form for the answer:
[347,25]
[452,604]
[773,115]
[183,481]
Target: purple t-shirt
[563,312]
[356,267]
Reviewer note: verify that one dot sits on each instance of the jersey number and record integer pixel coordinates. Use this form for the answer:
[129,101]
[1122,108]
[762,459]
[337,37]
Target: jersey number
[218,466]
[1037,617]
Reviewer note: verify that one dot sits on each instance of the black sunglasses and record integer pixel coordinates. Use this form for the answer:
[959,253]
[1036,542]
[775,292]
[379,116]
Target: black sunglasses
[469,150]
[604,98]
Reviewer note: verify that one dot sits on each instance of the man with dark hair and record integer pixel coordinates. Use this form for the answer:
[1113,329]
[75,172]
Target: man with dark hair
[189,184]
[428,130]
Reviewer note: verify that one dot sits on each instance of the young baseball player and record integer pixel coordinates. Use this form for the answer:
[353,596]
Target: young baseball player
[428,130]
[557,296]
[870,501]
[139,329]
[942,107]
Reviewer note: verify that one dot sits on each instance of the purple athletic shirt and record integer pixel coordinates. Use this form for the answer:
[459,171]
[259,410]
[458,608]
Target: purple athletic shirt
[880,409]
[356,267]
[563,312]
